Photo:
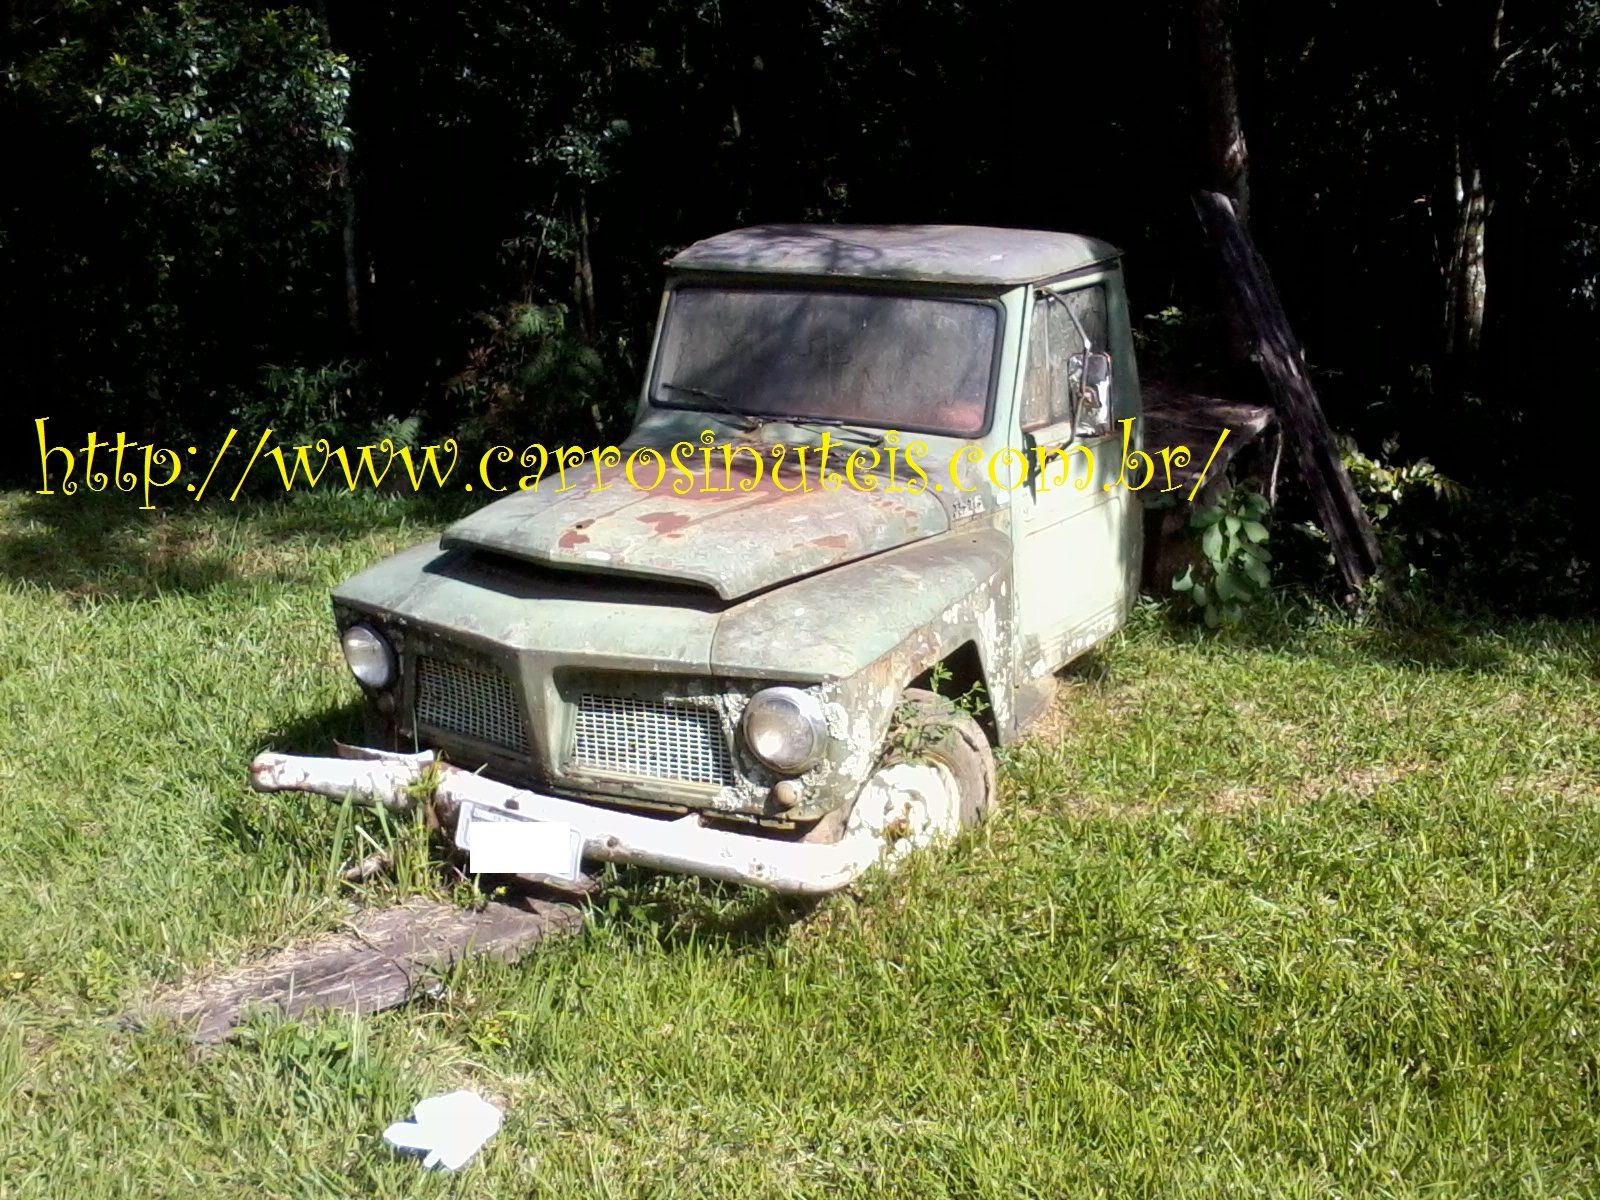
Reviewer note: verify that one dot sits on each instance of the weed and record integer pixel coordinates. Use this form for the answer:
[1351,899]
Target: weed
[1233,536]
[974,701]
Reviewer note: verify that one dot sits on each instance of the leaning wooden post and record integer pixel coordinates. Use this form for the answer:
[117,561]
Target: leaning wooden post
[1278,354]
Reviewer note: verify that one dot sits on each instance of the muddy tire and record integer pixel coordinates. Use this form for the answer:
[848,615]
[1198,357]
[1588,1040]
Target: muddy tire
[935,730]
[936,778]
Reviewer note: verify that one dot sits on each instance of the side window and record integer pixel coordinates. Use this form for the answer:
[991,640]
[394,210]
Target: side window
[1053,389]
[1039,404]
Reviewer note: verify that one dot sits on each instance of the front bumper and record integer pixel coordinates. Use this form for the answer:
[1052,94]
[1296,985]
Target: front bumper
[685,845]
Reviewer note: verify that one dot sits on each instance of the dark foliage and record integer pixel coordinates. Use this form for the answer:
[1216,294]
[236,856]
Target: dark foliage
[333,215]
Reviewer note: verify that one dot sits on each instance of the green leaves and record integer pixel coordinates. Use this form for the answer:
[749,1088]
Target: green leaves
[203,93]
[1257,572]
[184,193]
[1234,573]
[1405,502]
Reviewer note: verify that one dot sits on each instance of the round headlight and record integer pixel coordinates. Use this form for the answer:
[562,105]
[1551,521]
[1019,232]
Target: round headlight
[371,658]
[784,728]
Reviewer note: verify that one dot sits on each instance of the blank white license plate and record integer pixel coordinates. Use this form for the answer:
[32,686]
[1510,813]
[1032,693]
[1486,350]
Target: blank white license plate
[498,844]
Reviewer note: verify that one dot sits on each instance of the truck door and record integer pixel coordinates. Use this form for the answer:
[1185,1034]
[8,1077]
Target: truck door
[1076,532]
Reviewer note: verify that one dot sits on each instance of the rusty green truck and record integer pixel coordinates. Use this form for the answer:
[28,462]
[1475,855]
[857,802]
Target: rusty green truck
[756,681]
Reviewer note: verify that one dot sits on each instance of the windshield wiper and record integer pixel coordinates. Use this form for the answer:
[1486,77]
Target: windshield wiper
[752,421]
[869,437]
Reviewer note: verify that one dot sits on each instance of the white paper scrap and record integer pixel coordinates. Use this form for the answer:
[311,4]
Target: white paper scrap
[448,1129]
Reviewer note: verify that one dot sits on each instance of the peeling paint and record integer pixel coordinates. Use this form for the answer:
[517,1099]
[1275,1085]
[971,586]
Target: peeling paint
[665,523]
[720,540]
[705,598]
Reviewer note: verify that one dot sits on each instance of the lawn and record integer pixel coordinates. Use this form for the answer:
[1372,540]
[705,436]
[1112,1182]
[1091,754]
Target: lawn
[1310,910]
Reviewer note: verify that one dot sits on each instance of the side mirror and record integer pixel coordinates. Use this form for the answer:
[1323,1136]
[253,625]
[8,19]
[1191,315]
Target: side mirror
[1097,371]
[1092,413]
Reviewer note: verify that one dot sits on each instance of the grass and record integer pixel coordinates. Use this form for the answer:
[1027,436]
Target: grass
[1306,911]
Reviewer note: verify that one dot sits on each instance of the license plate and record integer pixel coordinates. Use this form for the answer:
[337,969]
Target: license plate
[499,844]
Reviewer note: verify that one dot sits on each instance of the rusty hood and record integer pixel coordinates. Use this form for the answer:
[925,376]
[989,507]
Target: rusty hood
[735,542]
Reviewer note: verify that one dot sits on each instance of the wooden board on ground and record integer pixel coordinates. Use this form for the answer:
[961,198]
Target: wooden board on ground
[381,960]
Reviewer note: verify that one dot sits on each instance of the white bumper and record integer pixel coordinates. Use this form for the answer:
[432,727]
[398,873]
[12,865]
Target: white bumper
[679,844]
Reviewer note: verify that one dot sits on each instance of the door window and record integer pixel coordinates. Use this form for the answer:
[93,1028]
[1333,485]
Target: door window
[1053,389]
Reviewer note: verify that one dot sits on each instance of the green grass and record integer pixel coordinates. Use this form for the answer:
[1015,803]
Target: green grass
[1306,911]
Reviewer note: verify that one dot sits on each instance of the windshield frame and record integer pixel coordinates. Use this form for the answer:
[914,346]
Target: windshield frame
[657,398]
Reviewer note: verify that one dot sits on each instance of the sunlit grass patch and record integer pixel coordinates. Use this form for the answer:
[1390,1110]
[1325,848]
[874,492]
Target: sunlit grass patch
[1309,909]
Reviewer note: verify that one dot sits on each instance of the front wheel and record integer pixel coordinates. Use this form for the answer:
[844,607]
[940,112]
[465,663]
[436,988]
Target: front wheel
[937,776]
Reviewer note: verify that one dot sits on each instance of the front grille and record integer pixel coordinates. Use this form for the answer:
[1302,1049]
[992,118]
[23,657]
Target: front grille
[651,739]
[471,701]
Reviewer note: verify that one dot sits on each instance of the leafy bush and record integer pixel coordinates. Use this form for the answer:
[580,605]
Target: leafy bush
[332,400]
[1180,344]
[532,377]
[178,221]
[1416,513]
[1233,535]
[304,403]
[1405,502]
[1509,547]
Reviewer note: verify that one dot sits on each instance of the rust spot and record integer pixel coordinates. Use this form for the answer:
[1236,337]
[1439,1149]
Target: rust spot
[572,538]
[665,523]
[834,541]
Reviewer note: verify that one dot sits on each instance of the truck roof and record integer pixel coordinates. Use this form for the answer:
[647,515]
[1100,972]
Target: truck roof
[930,253]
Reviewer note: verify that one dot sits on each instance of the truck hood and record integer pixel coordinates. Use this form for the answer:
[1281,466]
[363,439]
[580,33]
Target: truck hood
[735,542]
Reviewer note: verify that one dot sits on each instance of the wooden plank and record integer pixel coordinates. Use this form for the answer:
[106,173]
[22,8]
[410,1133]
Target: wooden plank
[378,962]
[1174,416]
[1278,354]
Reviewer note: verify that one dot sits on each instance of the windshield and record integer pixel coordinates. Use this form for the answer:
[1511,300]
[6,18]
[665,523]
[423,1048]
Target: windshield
[911,363]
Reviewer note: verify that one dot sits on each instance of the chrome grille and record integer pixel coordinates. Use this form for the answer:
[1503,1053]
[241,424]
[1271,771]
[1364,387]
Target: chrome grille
[651,739]
[471,701]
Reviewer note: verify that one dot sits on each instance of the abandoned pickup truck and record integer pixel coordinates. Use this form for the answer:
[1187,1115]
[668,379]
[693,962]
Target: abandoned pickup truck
[754,680]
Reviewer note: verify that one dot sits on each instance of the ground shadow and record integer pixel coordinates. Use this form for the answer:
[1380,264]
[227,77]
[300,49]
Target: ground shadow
[1092,666]
[102,546]
[315,734]
[680,910]
[99,547]
[243,820]
[1433,648]
[1420,637]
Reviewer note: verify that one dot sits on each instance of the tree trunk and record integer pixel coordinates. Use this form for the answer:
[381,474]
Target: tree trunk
[1466,281]
[1277,352]
[1228,161]
[347,200]
[583,273]
[352,269]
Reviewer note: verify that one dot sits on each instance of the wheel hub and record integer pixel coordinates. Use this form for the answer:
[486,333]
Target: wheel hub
[908,805]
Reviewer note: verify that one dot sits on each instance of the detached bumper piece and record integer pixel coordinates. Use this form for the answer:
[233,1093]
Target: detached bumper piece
[681,844]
